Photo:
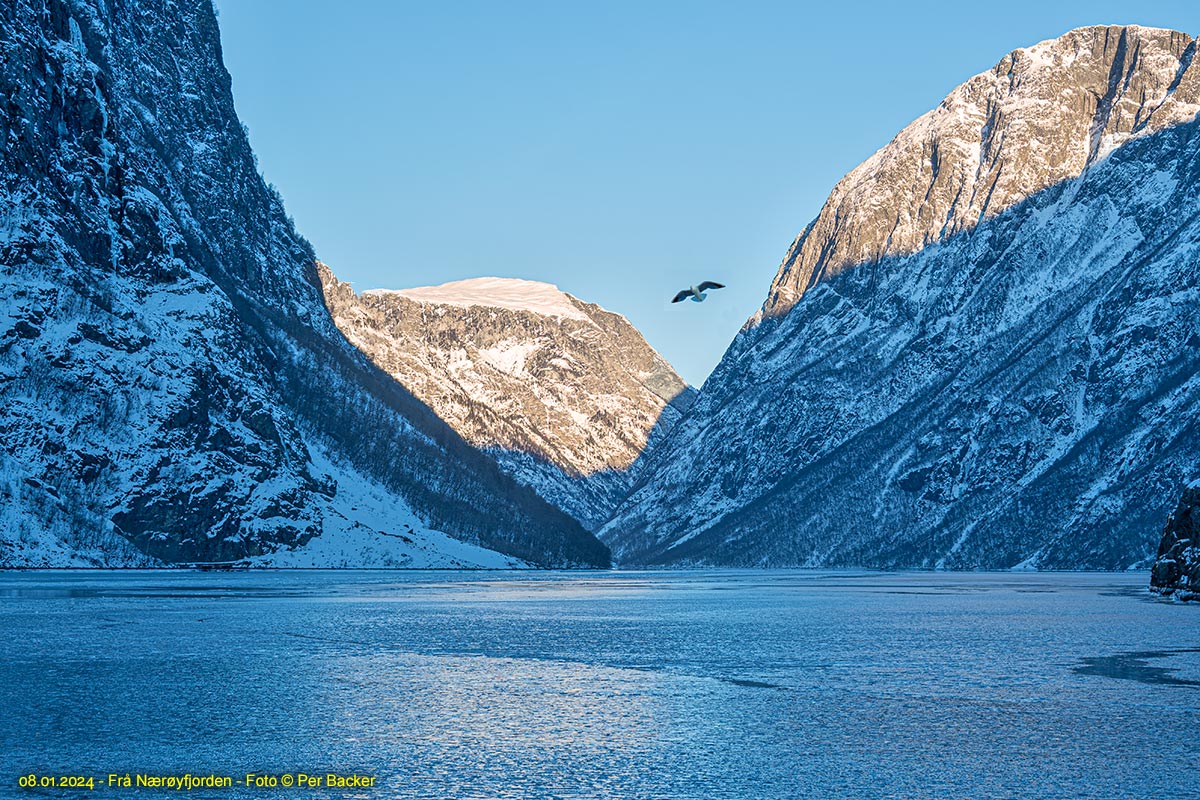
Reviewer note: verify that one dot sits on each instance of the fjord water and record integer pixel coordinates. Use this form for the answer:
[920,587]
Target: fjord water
[605,685]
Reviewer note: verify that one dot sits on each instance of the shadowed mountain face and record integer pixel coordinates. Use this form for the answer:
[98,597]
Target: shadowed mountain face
[172,385]
[569,398]
[985,350]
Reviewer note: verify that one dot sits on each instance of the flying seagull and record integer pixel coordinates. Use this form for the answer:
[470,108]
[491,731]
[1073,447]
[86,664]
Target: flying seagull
[697,293]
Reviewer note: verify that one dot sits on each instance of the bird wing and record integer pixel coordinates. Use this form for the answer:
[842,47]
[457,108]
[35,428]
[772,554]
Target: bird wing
[684,295]
[704,287]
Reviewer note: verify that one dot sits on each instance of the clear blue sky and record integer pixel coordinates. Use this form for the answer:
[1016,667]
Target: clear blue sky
[621,150]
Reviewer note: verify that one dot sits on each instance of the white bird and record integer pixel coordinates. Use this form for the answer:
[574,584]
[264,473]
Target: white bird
[697,293]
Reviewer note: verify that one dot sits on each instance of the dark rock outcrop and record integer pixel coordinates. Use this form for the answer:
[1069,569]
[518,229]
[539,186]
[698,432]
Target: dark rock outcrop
[1176,571]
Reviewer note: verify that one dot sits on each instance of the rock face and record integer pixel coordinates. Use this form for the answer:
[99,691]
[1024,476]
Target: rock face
[1039,117]
[1177,570]
[569,398]
[983,353]
[172,387]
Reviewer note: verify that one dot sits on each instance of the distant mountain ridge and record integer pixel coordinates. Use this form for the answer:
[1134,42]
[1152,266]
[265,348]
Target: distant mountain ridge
[567,397]
[985,350]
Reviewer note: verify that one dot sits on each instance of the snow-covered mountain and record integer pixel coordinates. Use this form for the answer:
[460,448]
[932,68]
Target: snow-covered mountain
[983,352]
[568,397]
[172,387]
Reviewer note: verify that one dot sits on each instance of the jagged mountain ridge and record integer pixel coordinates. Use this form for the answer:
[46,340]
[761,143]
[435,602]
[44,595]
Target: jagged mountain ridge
[940,380]
[1041,116]
[568,397]
[173,386]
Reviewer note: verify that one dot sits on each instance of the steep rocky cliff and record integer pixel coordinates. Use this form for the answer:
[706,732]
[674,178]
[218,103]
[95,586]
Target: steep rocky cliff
[568,397]
[983,353]
[1176,571]
[1041,116]
[172,387]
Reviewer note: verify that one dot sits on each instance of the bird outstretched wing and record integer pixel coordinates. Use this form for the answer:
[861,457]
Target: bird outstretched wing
[704,287]
[684,295]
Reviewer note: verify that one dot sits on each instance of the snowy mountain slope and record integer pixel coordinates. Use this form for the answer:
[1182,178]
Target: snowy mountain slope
[168,371]
[565,395]
[363,527]
[983,353]
[512,294]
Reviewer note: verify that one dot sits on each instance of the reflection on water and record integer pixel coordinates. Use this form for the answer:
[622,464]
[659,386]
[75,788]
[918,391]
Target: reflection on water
[606,685]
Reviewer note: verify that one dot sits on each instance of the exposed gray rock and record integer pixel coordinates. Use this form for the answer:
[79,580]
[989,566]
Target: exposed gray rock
[1176,571]
[171,384]
[984,353]
[568,397]
[1039,117]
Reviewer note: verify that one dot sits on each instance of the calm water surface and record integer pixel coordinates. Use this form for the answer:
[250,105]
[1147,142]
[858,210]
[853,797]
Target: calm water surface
[605,685]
